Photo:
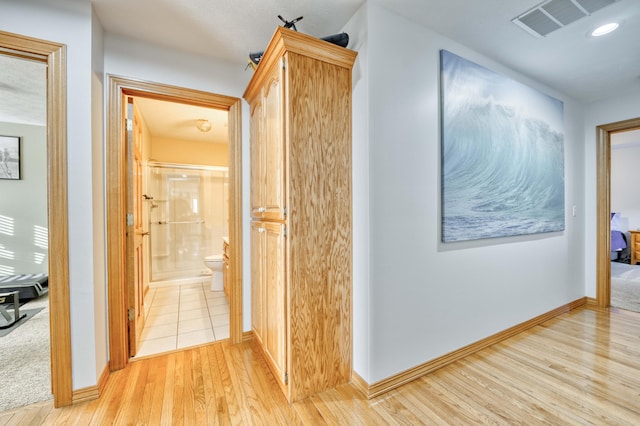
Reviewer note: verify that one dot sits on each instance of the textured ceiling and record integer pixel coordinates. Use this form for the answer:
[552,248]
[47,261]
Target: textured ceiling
[23,85]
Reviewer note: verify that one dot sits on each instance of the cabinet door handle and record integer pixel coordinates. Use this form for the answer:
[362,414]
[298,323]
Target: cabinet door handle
[261,209]
[261,230]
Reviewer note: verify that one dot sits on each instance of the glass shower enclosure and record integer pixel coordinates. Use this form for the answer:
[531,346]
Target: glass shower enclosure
[188,217]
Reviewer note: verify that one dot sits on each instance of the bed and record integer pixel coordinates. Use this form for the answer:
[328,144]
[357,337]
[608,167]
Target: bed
[619,251]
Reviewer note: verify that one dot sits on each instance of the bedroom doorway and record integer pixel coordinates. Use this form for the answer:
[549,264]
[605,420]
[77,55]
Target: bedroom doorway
[603,218]
[23,165]
[625,220]
[119,89]
[54,56]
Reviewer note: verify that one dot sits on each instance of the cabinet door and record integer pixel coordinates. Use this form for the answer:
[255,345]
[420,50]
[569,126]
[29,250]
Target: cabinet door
[274,155]
[257,159]
[257,279]
[275,298]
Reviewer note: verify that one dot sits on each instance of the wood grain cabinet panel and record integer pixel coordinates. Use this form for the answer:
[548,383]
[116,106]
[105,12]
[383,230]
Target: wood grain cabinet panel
[300,99]
[635,246]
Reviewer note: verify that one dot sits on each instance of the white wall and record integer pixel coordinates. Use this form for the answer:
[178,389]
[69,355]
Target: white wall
[139,60]
[99,201]
[606,111]
[69,22]
[427,298]
[625,172]
[357,30]
[24,203]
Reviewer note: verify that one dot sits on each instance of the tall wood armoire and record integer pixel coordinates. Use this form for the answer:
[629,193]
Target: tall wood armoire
[301,250]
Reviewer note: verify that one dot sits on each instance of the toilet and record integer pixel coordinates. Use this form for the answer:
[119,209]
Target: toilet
[215,264]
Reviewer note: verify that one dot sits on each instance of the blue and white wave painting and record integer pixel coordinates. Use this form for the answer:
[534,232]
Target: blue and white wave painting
[502,155]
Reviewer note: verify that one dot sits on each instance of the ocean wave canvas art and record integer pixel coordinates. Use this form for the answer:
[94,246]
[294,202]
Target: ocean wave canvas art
[502,155]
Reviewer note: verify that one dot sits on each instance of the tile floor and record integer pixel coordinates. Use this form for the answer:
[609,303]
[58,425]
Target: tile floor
[181,316]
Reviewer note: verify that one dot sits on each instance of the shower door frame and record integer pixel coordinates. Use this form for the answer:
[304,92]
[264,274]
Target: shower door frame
[118,89]
[193,167]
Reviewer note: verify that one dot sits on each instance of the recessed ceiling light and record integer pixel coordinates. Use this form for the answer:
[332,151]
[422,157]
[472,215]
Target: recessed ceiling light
[605,29]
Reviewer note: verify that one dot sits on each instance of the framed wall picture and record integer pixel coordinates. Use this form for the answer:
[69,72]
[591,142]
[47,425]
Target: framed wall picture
[502,155]
[9,157]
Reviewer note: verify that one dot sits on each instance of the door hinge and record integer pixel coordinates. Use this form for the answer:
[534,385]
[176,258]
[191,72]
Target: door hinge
[284,212]
[132,314]
[284,231]
[129,219]
[286,378]
[129,124]
[284,63]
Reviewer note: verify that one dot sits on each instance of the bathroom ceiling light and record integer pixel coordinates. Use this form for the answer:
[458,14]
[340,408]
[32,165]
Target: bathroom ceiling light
[203,125]
[605,29]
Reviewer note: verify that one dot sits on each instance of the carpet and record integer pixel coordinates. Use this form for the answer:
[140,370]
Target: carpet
[25,368]
[625,286]
[29,314]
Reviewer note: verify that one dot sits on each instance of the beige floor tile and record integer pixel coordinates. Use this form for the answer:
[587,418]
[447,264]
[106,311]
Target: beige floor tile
[194,325]
[219,320]
[163,309]
[193,314]
[158,331]
[221,332]
[195,338]
[156,346]
[162,319]
[217,301]
[191,305]
[219,309]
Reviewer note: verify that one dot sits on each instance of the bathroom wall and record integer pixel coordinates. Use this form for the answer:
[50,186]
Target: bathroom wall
[189,152]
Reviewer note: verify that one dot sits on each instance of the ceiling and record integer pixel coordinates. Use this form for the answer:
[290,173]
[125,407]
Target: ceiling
[23,85]
[567,60]
[178,121]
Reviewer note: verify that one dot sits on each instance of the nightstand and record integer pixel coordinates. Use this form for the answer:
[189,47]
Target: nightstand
[635,246]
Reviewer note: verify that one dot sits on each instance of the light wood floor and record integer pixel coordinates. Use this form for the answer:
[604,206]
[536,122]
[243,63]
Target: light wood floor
[580,368]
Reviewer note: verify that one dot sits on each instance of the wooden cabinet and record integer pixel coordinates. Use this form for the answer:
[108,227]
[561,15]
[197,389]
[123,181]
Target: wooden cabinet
[267,153]
[301,272]
[635,246]
[268,298]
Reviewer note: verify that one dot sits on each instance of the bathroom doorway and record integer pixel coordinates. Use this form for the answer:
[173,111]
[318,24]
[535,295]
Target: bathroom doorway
[169,151]
[178,165]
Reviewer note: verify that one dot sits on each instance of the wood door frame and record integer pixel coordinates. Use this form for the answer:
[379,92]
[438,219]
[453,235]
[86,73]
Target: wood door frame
[603,209]
[54,55]
[118,88]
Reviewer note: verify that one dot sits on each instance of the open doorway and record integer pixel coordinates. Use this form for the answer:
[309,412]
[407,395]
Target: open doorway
[180,204]
[24,323]
[54,56]
[121,319]
[625,220]
[604,207]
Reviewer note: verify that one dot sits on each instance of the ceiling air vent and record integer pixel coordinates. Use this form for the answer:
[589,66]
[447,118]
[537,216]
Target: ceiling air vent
[551,15]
